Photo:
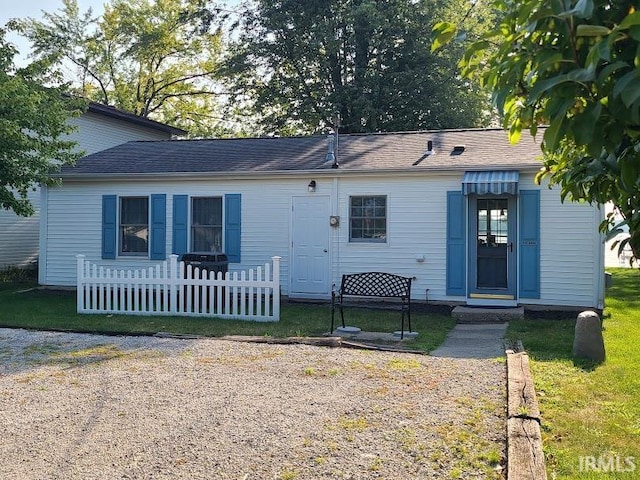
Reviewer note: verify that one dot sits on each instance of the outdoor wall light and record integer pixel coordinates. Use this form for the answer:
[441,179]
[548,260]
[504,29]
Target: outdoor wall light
[312,186]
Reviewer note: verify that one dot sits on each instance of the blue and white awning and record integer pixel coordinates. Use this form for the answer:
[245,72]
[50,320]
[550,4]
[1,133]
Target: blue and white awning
[496,182]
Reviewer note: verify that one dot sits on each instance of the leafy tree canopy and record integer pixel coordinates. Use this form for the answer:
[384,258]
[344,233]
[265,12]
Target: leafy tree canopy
[301,63]
[573,65]
[33,129]
[157,59]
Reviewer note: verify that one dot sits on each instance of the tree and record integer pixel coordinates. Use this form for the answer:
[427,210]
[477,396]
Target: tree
[157,59]
[301,63]
[574,66]
[32,129]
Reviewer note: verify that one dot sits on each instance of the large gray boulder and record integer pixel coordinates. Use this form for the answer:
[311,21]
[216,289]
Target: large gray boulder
[588,341]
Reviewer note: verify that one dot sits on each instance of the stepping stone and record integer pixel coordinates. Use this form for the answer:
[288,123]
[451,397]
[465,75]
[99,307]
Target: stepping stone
[347,330]
[486,314]
[398,334]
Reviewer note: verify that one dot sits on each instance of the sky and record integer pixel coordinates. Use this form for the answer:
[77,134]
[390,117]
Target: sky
[33,8]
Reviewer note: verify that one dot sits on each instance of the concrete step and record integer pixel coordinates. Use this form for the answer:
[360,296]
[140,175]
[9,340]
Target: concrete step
[464,314]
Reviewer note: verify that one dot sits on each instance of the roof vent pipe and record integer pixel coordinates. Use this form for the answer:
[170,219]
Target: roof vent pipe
[426,154]
[331,155]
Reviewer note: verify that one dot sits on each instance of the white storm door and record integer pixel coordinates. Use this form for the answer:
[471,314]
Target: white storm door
[310,245]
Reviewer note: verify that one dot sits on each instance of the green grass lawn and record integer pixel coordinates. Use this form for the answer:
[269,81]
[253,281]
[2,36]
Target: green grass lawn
[591,413]
[54,310]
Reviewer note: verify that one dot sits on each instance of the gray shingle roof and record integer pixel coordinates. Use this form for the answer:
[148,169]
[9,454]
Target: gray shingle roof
[484,149]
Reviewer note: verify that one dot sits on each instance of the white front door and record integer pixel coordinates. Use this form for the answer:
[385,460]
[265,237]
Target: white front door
[310,246]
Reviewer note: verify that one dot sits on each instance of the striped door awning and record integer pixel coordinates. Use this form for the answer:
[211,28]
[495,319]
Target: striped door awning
[496,182]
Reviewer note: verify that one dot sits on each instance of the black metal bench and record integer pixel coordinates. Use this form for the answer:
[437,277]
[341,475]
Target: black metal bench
[374,284]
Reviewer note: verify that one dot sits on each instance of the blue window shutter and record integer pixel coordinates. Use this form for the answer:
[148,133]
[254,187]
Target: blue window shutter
[109,226]
[529,243]
[456,254]
[180,224]
[158,238]
[232,214]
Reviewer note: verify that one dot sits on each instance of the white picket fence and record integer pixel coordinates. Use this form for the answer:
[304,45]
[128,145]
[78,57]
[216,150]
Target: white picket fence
[170,288]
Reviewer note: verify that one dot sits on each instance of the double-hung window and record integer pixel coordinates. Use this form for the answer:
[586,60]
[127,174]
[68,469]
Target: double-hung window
[206,224]
[368,219]
[134,226]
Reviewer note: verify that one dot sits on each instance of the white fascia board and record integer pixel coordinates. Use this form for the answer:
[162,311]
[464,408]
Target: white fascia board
[133,177]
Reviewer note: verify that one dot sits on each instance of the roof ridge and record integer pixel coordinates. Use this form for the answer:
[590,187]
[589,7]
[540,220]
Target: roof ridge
[120,114]
[220,139]
[423,132]
[321,136]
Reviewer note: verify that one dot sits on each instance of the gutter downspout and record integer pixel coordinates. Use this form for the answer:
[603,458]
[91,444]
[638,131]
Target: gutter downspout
[42,242]
[335,208]
[600,246]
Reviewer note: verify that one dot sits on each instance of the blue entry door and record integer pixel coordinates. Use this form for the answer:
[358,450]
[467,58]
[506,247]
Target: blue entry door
[492,247]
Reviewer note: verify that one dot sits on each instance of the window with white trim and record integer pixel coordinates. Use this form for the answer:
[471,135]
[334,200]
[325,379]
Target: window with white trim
[368,219]
[134,226]
[206,224]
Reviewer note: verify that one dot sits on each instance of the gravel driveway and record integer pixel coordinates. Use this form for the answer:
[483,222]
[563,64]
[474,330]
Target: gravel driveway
[76,406]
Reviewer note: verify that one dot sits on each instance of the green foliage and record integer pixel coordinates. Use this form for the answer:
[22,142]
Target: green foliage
[301,63]
[588,410]
[32,129]
[157,59]
[26,274]
[575,67]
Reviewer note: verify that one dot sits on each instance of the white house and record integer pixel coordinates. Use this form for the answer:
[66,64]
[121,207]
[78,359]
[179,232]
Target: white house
[457,210]
[99,128]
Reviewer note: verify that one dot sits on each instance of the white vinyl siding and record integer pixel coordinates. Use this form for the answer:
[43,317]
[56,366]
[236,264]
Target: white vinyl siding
[571,254]
[416,230]
[19,235]
[265,221]
[96,132]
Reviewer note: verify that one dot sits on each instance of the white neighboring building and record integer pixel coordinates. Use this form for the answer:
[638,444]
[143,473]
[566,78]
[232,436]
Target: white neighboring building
[99,128]
[458,210]
[611,257]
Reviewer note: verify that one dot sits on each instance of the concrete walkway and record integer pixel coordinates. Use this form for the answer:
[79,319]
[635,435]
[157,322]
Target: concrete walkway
[473,341]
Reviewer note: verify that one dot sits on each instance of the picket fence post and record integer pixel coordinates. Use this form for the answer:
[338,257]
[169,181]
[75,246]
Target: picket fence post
[173,283]
[80,283]
[276,287]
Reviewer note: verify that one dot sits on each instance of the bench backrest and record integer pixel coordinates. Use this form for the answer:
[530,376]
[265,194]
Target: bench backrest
[376,284]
